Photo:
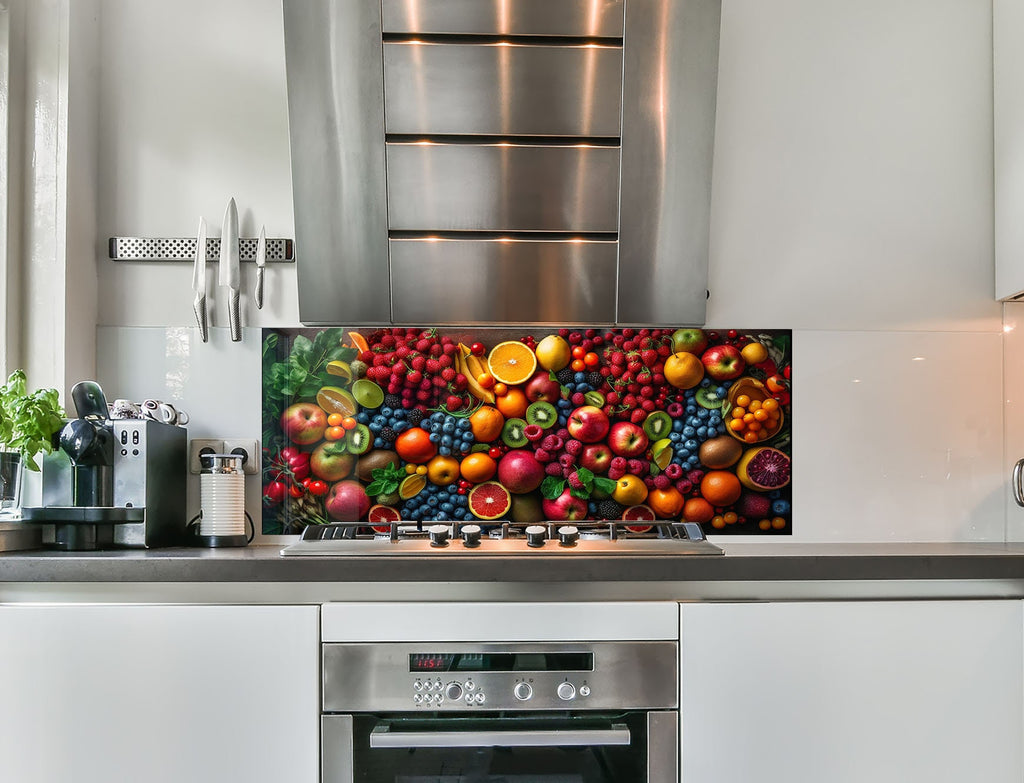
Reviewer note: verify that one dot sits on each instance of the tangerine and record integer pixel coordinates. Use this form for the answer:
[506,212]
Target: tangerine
[512,362]
[358,342]
[486,423]
[720,487]
[698,510]
[684,370]
[414,445]
[478,467]
[667,503]
[513,403]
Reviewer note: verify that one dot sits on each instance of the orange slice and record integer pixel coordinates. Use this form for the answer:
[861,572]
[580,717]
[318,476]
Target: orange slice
[335,400]
[358,341]
[512,362]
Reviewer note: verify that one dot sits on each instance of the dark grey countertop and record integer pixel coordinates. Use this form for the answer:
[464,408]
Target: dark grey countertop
[741,563]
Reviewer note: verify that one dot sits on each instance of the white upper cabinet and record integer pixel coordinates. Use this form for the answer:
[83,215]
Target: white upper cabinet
[1008,111]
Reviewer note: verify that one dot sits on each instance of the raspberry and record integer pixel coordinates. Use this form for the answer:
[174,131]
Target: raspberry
[662,481]
[566,460]
[566,470]
[675,410]
[563,433]
[578,399]
[619,463]
[574,480]
[695,475]
[674,471]
[615,473]
[638,467]
[542,455]
[553,469]
[573,446]
[649,482]
[550,443]
[684,485]
[533,432]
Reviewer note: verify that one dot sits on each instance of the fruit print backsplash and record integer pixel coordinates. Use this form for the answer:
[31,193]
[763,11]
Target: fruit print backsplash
[426,425]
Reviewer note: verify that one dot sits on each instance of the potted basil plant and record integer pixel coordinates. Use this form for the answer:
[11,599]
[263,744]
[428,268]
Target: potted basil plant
[28,423]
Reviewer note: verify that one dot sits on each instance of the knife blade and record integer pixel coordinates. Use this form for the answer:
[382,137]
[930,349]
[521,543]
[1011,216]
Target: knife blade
[199,281]
[229,273]
[261,262]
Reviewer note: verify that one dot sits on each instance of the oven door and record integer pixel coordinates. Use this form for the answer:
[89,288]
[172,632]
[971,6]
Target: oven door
[630,747]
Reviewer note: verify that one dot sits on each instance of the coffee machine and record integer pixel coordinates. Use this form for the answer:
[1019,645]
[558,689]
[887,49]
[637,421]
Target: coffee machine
[112,483]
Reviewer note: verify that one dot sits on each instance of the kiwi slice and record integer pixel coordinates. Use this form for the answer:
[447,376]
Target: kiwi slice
[594,398]
[512,433]
[658,425]
[358,439]
[708,398]
[543,414]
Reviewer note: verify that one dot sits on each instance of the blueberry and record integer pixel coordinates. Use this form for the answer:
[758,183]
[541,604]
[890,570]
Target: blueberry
[378,443]
[691,410]
[464,424]
[386,411]
[691,445]
[446,440]
[703,413]
[432,500]
[702,432]
[434,437]
[444,451]
[705,382]
[401,426]
[583,387]
[693,461]
[448,427]
[675,437]
[689,431]
[677,425]
[376,426]
[781,507]
[447,507]
[580,377]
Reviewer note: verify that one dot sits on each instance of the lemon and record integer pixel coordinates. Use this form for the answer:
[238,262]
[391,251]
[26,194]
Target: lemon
[335,400]
[662,453]
[553,353]
[339,368]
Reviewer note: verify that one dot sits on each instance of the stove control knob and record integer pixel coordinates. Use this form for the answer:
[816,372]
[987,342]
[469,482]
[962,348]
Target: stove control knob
[471,535]
[438,535]
[453,692]
[566,691]
[568,535]
[536,535]
[522,691]
[584,690]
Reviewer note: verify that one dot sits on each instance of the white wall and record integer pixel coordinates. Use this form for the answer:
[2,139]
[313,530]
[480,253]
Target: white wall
[852,203]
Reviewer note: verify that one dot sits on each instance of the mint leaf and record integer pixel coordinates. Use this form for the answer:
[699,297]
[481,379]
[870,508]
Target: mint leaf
[551,487]
[606,485]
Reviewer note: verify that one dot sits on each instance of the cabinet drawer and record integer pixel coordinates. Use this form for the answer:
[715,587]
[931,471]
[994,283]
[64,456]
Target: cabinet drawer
[499,17]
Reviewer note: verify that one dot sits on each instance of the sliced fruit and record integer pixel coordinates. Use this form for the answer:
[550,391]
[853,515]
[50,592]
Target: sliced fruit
[339,368]
[543,414]
[662,453]
[639,512]
[367,393]
[489,500]
[658,425]
[512,434]
[553,353]
[709,398]
[764,469]
[335,400]
[411,486]
[358,439]
[594,398]
[358,341]
[512,362]
[381,517]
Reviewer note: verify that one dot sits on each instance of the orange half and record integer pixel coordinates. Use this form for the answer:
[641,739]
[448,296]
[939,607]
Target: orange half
[512,362]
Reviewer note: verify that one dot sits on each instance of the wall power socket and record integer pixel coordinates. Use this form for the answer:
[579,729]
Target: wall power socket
[249,448]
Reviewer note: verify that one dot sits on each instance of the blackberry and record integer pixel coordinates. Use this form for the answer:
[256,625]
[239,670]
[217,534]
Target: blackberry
[610,509]
[595,379]
[565,376]
[414,416]
[388,435]
[392,401]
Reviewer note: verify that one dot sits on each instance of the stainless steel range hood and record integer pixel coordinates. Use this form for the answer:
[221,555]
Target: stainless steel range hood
[501,161]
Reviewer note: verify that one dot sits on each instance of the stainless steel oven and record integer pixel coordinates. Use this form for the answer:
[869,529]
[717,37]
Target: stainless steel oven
[500,712]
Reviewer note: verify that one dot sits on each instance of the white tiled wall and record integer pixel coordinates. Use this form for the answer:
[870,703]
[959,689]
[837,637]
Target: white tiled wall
[852,203]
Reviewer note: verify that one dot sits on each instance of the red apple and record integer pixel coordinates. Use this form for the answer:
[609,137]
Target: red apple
[588,423]
[520,472]
[304,423]
[543,387]
[331,461]
[565,506]
[347,501]
[627,439]
[596,457]
[690,340]
[723,362]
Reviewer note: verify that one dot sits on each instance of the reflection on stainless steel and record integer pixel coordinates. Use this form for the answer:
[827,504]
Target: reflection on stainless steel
[434,88]
[592,18]
[668,130]
[615,734]
[336,121]
[470,280]
[662,744]
[361,677]
[502,187]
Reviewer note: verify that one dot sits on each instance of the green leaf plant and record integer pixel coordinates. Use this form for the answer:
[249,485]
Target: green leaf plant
[28,420]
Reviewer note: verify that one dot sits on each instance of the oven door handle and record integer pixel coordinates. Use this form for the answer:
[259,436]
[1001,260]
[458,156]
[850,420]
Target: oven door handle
[383,737]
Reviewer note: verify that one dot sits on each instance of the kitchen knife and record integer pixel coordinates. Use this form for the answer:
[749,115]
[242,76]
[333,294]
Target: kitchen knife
[229,275]
[199,281]
[261,262]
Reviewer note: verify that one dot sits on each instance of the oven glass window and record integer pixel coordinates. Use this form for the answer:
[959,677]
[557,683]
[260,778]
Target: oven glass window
[481,758]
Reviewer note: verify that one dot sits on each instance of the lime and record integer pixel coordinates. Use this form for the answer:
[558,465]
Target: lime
[341,369]
[662,453]
[367,393]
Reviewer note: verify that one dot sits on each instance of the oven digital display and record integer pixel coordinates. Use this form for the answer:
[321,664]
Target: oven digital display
[502,662]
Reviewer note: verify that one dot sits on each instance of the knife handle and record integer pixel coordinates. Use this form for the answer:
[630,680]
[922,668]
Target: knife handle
[258,294]
[234,317]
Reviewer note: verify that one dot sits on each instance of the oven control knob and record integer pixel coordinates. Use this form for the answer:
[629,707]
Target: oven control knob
[471,535]
[566,691]
[584,690]
[438,535]
[522,691]
[568,535]
[453,692]
[536,535]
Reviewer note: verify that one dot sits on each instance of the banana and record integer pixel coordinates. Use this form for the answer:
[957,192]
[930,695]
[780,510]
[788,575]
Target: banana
[471,366]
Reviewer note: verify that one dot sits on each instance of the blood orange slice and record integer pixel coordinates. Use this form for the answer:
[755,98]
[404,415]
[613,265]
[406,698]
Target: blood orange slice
[639,512]
[489,500]
[381,517]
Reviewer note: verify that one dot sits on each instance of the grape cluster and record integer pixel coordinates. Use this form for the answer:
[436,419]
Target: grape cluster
[451,434]
[436,503]
[419,368]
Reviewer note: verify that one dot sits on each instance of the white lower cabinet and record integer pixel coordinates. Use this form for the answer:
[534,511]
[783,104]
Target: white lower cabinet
[857,692]
[159,694]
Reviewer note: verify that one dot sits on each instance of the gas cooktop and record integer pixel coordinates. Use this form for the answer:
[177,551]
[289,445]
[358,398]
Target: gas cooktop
[463,539]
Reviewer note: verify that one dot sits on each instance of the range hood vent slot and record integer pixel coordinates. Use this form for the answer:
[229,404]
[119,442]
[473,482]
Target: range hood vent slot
[502,161]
